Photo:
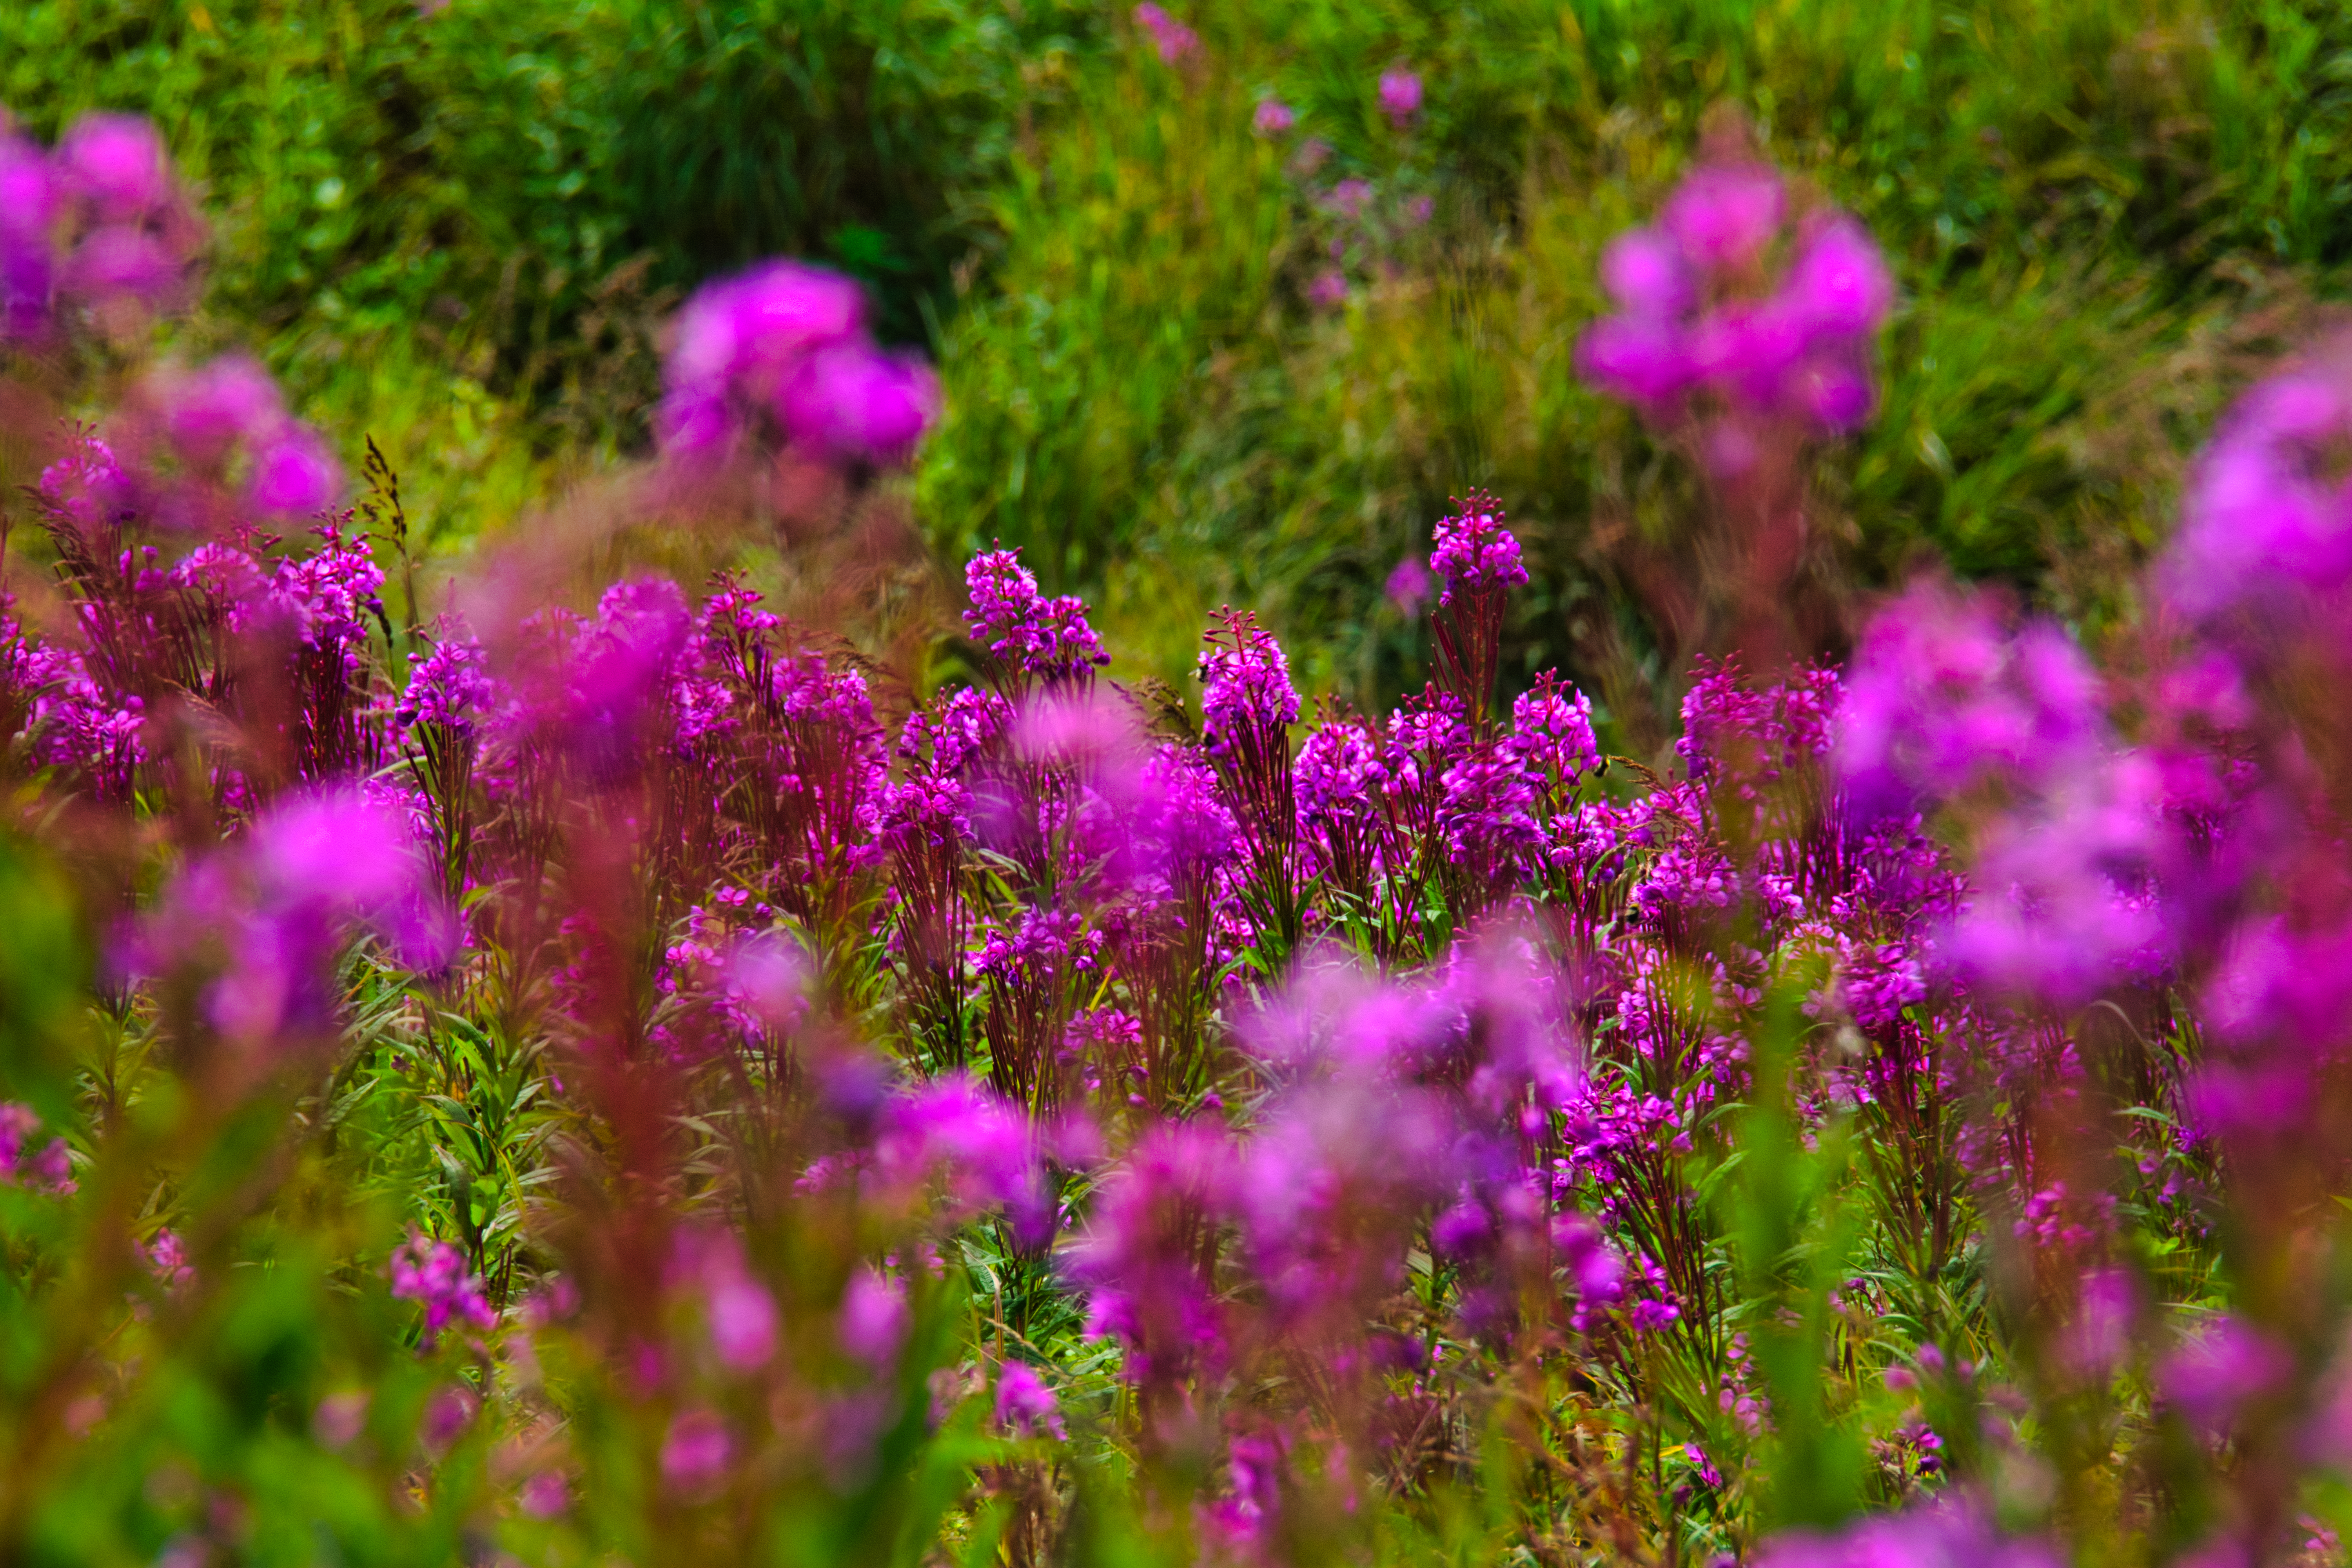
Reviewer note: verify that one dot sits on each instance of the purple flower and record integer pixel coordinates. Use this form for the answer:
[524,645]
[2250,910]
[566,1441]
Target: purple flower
[990,1154]
[1692,314]
[1475,552]
[1026,632]
[1025,1405]
[293,474]
[741,339]
[1327,289]
[1838,283]
[695,1451]
[1400,95]
[1643,269]
[1245,684]
[855,401]
[1640,360]
[1954,1532]
[874,1319]
[1408,586]
[2216,1372]
[1552,729]
[29,200]
[737,1308]
[432,1274]
[450,687]
[1940,698]
[218,405]
[48,1169]
[1175,41]
[546,1495]
[2266,519]
[1722,216]
[86,485]
[1349,197]
[1273,117]
[167,1260]
[268,919]
[117,164]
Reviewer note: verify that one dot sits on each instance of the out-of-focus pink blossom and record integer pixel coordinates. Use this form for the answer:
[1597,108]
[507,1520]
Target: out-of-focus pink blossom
[1273,117]
[432,1274]
[855,401]
[47,1169]
[117,164]
[696,1451]
[1174,40]
[1400,95]
[1025,1405]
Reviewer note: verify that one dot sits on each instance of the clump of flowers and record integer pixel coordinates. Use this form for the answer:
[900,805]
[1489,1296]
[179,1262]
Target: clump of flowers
[432,1275]
[1704,312]
[782,351]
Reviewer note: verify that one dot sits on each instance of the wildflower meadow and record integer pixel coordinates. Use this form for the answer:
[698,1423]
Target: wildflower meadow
[626,937]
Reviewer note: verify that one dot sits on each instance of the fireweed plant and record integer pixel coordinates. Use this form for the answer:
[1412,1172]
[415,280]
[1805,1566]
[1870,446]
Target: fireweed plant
[588,1088]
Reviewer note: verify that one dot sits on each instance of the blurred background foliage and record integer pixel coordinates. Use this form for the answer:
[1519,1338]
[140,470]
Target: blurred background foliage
[460,230]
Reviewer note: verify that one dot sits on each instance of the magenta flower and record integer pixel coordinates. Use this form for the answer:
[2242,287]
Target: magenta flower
[117,164]
[1025,1405]
[1273,117]
[1722,216]
[208,410]
[546,1495]
[1028,633]
[1400,95]
[1327,289]
[1475,552]
[1408,586]
[854,401]
[1175,41]
[432,1274]
[740,1313]
[740,344]
[48,1169]
[1693,312]
[293,475]
[29,203]
[695,1451]
[874,1319]
[2264,527]
[167,1260]
[1245,684]
[2216,1372]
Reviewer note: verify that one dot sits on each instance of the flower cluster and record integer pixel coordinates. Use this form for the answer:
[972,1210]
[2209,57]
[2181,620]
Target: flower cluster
[1700,311]
[432,1275]
[98,222]
[784,348]
[1285,1105]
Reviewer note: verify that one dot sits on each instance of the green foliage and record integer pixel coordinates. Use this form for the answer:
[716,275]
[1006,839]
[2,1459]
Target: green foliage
[2079,197]
[865,135]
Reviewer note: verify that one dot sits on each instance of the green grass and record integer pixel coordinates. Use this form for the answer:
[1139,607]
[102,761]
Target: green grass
[460,233]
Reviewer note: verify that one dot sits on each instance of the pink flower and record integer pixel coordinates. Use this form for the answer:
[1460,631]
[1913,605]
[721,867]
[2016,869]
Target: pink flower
[1273,117]
[1025,1405]
[294,474]
[434,1275]
[696,1452]
[1175,41]
[116,164]
[874,1319]
[547,1494]
[1400,95]
[856,402]
[1408,586]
